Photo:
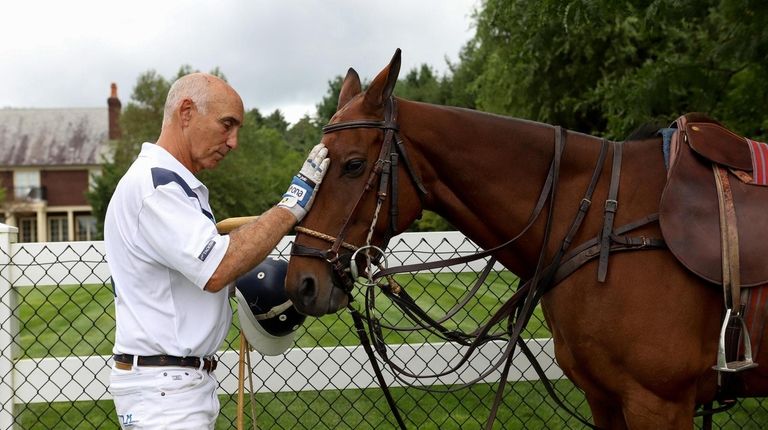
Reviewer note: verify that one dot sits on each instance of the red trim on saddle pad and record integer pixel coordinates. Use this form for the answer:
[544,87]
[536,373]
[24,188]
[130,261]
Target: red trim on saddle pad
[759,162]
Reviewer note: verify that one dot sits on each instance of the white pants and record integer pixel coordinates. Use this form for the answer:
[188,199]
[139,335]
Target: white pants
[165,398]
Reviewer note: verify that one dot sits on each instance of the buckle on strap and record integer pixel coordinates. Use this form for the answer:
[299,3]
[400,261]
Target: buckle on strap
[611,205]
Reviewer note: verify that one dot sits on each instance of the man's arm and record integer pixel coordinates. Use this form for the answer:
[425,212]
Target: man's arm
[249,244]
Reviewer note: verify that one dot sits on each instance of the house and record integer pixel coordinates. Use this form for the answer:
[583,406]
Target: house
[48,158]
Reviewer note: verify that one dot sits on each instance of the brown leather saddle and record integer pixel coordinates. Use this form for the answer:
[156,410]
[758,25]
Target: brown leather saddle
[710,212]
[714,219]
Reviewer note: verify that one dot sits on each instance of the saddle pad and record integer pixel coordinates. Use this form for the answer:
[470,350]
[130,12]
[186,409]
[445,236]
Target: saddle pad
[690,221]
[759,162]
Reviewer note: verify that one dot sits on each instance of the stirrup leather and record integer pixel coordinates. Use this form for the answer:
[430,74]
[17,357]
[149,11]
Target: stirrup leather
[739,365]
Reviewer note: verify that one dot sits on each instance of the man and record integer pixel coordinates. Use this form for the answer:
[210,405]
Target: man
[171,269]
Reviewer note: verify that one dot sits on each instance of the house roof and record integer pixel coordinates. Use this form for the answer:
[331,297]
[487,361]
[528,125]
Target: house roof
[53,137]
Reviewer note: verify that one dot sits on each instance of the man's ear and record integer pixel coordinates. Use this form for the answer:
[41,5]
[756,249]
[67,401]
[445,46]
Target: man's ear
[186,109]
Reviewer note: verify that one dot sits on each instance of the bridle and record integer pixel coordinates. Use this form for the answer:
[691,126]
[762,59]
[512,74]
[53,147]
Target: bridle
[386,171]
[344,265]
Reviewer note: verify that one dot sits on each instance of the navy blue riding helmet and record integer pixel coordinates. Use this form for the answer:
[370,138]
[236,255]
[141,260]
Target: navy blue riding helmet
[267,317]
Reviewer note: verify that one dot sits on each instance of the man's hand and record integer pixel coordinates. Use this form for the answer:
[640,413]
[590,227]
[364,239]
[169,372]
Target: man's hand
[301,193]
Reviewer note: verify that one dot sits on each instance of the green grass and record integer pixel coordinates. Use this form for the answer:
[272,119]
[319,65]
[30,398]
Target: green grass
[65,321]
[525,407]
[78,320]
[359,409]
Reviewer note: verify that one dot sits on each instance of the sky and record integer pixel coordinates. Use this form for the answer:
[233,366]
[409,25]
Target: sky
[278,54]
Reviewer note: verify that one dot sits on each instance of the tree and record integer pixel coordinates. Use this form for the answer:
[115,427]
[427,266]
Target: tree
[421,84]
[303,135]
[276,120]
[328,105]
[606,67]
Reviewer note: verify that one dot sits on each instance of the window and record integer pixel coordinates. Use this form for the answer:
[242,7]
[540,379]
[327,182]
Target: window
[26,184]
[57,229]
[85,227]
[28,229]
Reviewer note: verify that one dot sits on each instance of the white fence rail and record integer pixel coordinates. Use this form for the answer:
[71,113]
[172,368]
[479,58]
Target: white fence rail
[75,378]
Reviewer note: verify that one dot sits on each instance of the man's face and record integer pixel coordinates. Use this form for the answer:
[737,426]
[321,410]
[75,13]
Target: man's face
[213,134]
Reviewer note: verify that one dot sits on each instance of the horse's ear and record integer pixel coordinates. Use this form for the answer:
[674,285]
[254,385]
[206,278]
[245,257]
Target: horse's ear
[349,88]
[382,86]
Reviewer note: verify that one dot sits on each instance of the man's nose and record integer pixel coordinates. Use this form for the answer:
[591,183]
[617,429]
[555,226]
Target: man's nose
[232,141]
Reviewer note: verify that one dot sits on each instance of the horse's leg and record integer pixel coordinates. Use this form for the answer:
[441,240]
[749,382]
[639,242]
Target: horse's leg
[606,415]
[637,408]
[645,410]
[605,408]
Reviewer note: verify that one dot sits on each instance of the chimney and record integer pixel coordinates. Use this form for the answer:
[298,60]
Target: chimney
[114,114]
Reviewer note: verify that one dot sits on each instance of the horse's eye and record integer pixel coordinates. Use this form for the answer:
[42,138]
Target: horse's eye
[354,167]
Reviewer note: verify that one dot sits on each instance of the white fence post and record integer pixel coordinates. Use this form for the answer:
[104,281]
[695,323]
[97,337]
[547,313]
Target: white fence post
[8,327]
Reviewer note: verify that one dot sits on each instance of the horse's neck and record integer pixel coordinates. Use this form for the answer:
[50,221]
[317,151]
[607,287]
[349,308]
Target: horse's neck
[484,173]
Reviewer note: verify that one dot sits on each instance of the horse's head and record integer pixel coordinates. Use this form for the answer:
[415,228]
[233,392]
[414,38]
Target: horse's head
[361,201]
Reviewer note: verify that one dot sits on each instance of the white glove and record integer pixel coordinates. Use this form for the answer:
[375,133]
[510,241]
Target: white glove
[301,193]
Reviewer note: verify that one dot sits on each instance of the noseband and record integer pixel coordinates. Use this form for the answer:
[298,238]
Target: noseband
[385,169]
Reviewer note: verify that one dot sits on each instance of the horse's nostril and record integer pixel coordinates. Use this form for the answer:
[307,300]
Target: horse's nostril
[307,289]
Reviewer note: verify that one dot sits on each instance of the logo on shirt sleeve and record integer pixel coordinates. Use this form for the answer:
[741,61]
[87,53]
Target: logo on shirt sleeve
[207,250]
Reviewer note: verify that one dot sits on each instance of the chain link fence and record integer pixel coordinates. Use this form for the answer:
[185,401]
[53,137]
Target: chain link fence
[57,327]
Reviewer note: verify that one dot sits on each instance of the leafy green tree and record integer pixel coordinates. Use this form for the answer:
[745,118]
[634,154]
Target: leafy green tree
[606,67]
[421,85]
[303,135]
[327,106]
[276,120]
[459,85]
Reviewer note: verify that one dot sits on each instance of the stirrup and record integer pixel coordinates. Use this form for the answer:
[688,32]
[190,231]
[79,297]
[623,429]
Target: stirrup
[738,365]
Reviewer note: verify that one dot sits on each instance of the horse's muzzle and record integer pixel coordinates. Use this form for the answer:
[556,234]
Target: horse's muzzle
[317,298]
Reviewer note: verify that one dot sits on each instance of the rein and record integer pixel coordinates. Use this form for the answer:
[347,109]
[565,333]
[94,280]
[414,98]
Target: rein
[517,310]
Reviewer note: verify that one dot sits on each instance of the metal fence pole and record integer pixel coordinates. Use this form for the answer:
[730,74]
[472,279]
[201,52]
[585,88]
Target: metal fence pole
[8,327]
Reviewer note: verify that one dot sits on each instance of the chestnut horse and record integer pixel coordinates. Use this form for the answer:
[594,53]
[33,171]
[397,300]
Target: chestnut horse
[641,344]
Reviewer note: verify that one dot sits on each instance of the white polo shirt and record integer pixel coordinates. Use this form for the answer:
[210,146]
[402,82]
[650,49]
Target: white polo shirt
[162,247]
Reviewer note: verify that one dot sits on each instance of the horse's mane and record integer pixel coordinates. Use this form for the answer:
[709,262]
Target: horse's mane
[645,131]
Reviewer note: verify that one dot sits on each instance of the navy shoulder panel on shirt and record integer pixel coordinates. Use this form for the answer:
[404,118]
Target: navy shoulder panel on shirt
[162,176]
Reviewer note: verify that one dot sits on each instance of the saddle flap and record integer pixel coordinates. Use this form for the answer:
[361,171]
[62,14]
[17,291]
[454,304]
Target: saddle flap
[720,145]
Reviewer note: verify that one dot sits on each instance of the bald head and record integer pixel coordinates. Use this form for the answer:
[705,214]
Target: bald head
[201,88]
[202,117]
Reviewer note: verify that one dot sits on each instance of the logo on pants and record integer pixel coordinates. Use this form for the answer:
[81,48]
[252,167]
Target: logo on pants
[127,420]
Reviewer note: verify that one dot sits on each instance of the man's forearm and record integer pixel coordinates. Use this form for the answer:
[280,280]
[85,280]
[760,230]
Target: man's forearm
[250,244]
